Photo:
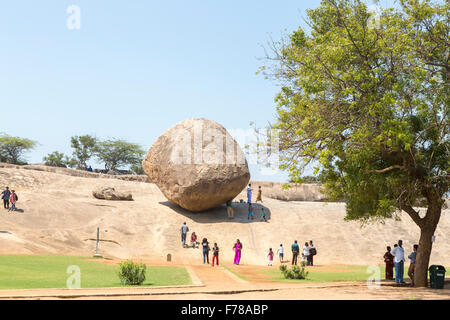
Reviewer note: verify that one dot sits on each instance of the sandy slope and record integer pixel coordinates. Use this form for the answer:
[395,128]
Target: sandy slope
[59,214]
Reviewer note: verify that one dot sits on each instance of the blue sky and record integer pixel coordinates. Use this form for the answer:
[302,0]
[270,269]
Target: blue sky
[135,68]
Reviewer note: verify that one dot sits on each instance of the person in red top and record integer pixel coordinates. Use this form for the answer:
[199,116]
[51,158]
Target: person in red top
[13,199]
[389,260]
[194,242]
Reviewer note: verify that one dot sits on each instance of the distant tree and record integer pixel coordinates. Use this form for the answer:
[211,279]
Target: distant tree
[118,153]
[12,149]
[84,147]
[58,159]
[366,99]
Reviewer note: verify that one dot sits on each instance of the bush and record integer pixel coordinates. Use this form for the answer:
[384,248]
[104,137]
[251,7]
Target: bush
[295,272]
[131,273]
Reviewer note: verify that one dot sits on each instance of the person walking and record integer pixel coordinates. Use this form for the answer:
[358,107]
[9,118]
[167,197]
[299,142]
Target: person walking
[237,251]
[263,215]
[312,253]
[206,249]
[399,260]
[270,255]
[13,199]
[411,268]
[389,261]
[295,251]
[280,252]
[250,212]
[259,195]
[215,254]
[230,210]
[5,196]
[306,253]
[249,193]
[184,230]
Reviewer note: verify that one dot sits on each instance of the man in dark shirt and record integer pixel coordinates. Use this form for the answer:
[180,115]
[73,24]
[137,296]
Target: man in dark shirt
[5,196]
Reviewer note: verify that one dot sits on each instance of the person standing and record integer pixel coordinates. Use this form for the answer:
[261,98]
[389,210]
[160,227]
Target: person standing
[249,193]
[184,230]
[312,253]
[259,195]
[215,254]
[411,268]
[295,251]
[206,248]
[230,210]
[306,253]
[13,199]
[237,251]
[399,262]
[389,261]
[270,255]
[280,251]
[5,196]
[250,212]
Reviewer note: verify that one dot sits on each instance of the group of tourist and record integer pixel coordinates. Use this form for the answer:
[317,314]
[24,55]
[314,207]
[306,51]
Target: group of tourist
[206,247]
[395,259]
[9,197]
[308,253]
[250,216]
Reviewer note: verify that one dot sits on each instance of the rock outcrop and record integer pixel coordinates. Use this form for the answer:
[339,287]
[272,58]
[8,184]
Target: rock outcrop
[111,194]
[197,165]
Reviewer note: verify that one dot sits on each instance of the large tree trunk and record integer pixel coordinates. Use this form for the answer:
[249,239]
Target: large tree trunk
[427,230]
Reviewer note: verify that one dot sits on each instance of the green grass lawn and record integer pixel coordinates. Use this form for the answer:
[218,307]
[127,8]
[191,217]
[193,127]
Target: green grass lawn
[331,274]
[49,271]
[235,273]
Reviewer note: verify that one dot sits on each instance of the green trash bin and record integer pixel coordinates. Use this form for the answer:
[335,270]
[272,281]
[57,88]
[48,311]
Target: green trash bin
[437,276]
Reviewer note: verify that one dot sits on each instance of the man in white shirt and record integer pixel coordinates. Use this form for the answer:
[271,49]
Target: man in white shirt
[399,260]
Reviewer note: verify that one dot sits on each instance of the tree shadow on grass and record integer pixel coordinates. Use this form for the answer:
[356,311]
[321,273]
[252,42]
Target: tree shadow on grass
[219,214]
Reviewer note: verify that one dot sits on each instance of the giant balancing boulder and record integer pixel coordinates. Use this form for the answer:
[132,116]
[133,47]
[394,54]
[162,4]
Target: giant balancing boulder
[197,165]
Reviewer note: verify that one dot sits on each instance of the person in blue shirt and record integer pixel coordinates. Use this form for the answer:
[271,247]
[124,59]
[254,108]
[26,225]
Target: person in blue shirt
[249,193]
[5,196]
[295,251]
[411,268]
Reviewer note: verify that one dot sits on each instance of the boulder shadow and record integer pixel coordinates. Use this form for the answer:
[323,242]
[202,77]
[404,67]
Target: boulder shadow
[219,214]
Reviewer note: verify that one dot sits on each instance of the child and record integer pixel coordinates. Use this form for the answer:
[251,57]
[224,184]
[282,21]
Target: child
[194,242]
[270,255]
[263,214]
[280,251]
[215,254]
[250,211]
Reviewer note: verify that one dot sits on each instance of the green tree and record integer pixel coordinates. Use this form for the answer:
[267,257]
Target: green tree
[117,153]
[12,149]
[58,159]
[365,100]
[84,147]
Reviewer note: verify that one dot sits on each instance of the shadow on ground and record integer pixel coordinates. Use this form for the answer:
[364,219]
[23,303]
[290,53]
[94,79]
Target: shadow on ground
[219,214]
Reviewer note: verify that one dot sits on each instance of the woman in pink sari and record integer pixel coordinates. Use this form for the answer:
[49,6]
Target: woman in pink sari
[237,249]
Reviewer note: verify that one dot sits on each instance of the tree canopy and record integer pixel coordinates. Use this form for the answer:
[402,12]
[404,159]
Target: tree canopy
[116,153]
[12,149]
[84,147]
[365,100]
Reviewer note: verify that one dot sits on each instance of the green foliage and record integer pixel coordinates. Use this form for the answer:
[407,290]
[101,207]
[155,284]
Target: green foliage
[137,169]
[296,272]
[84,147]
[58,159]
[118,153]
[368,105]
[131,273]
[12,149]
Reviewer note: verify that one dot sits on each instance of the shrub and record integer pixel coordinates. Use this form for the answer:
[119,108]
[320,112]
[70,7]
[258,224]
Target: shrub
[295,272]
[131,273]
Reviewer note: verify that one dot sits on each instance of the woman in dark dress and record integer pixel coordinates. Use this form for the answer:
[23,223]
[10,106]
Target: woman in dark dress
[389,260]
